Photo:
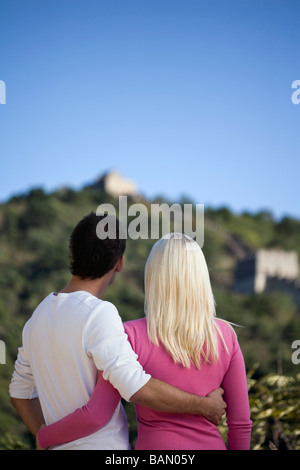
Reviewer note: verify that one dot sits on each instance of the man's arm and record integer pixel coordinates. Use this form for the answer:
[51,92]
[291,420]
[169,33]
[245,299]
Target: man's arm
[23,394]
[161,396]
[30,412]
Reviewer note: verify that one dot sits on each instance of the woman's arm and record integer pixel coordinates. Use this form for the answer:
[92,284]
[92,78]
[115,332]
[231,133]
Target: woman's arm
[99,409]
[83,421]
[236,397]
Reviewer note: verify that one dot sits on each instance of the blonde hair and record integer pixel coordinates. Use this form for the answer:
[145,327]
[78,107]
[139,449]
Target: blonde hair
[179,302]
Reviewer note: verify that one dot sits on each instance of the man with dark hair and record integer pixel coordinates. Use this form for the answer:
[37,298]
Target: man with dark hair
[73,334]
[92,257]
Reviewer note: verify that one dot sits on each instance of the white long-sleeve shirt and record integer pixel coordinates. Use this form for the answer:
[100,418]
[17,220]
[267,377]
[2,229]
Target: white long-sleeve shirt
[68,338]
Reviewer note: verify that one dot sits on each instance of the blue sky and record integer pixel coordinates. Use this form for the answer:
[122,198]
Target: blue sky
[185,97]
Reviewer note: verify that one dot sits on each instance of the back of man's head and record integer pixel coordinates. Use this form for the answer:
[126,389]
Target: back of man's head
[92,257]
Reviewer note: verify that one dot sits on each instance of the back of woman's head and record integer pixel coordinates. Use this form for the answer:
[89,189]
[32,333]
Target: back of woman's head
[179,303]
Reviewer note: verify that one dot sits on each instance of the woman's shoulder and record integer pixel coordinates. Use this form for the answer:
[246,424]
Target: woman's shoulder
[138,323]
[138,326]
[227,331]
[136,331]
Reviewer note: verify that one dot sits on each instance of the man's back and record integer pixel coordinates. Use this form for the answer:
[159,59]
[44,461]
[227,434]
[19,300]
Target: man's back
[64,372]
[54,339]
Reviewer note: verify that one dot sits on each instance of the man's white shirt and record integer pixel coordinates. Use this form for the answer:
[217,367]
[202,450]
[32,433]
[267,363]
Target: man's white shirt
[66,341]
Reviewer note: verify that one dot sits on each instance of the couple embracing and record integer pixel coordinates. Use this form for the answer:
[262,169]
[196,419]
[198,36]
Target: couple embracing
[180,365]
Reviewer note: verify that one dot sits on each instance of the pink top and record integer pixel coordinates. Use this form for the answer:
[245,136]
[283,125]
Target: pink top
[158,430]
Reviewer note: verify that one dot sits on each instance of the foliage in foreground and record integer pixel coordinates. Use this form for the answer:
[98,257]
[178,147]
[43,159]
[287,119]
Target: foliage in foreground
[275,412]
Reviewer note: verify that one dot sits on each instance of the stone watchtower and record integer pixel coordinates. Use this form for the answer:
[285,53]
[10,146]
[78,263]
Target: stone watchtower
[275,264]
[269,270]
[113,183]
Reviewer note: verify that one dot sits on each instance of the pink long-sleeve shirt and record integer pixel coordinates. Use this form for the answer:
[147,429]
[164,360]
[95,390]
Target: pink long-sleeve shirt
[158,430]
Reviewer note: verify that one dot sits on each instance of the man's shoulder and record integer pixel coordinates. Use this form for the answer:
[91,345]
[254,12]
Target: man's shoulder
[78,304]
[86,301]
[101,310]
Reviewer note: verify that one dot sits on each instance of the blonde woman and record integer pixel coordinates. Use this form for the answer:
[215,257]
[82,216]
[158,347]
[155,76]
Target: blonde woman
[183,343]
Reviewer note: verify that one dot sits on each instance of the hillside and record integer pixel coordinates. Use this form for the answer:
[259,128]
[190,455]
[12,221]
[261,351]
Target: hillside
[34,234]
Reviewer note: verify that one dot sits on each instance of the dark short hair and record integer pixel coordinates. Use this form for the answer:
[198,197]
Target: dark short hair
[92,257]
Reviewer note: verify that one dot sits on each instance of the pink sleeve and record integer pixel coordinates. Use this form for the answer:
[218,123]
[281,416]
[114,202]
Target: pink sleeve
[83,421]
[236,398]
